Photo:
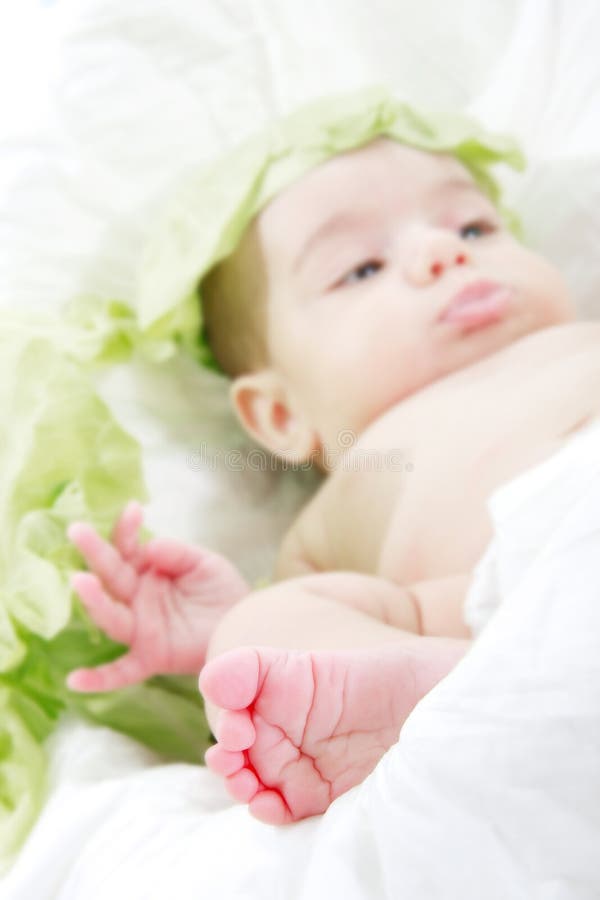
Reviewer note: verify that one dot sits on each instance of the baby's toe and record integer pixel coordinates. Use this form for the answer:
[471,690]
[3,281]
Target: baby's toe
[223,762]
[231,680]
[270,807]
[235,730]
[242,785]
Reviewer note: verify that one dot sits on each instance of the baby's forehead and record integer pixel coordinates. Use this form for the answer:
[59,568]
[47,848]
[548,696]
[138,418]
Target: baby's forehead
[367,176]
[387,154]
[380,165]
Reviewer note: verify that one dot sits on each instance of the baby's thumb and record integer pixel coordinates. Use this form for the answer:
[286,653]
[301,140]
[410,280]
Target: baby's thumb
[122,672]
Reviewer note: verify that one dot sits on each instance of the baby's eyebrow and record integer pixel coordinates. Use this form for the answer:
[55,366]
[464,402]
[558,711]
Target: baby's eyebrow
[339,221]
[348,220]
[458,182]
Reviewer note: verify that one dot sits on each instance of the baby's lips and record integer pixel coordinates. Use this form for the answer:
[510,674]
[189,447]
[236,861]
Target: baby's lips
[479,303]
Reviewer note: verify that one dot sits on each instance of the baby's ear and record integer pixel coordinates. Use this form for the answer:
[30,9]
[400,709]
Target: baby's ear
[266,414]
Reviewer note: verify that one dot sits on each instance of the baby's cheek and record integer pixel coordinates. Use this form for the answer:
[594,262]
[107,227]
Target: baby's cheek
[556,291]
[539,283]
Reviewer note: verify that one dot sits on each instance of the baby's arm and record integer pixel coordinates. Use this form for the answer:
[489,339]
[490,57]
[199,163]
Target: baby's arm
[440,603]
[432,607]
[164,598]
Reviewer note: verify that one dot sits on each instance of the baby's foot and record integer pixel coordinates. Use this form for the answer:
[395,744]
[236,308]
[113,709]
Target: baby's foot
[298,729]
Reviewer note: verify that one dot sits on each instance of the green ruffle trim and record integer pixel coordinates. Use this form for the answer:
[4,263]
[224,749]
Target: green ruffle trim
[64,457]
[214,205]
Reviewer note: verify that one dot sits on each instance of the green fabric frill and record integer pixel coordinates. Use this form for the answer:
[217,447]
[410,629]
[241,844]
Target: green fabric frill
[214,204]
[63,457]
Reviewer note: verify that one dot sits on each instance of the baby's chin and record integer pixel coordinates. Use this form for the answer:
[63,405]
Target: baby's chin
[538,316]
[563,313]
[561,308]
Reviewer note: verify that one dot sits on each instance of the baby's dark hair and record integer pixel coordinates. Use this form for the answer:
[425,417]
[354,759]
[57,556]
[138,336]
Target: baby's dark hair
[234,313]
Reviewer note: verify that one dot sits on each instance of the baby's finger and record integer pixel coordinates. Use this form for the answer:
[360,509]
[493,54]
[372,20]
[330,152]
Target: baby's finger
[113,618]
[118,674]
[172,557]
[118,576]
[126,532]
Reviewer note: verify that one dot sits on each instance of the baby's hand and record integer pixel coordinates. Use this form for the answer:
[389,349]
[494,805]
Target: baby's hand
[162,598]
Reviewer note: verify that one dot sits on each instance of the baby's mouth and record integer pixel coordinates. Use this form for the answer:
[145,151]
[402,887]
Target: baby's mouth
[479,304]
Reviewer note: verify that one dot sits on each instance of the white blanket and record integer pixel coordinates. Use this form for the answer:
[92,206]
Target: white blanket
[493,790]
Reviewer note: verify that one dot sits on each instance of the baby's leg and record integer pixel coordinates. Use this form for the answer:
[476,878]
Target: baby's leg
[297,729]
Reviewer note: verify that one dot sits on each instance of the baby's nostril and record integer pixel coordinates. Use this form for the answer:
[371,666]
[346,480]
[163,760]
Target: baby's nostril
[436,268]
[461,259]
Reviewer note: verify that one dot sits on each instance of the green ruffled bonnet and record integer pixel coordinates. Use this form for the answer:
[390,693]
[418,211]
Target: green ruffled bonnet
[214,206]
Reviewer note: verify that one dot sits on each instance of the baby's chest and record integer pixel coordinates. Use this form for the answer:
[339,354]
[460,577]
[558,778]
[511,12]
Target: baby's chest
[424,514]
[442,525]
[415,504]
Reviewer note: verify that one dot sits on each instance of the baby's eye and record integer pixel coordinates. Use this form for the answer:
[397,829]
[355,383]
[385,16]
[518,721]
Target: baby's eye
[478,228]
[365,270]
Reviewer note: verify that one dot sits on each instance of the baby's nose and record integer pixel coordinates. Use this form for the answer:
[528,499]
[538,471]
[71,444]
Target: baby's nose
[431,252]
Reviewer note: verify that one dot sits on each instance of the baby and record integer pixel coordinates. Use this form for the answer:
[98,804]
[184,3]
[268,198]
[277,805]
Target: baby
[389,304]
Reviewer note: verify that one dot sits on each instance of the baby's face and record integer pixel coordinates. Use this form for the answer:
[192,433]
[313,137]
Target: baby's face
[362,256]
